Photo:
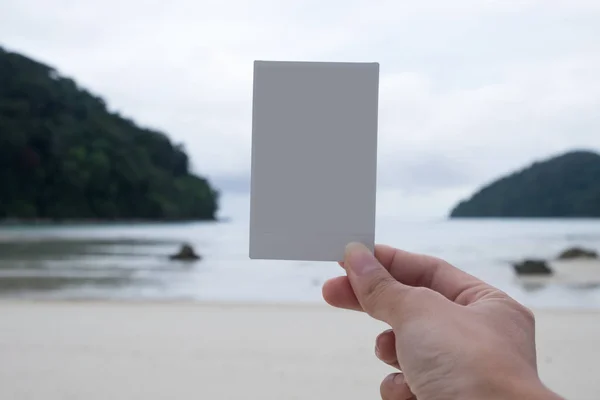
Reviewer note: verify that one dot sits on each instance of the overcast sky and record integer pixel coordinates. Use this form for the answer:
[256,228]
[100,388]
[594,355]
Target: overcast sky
[469,90]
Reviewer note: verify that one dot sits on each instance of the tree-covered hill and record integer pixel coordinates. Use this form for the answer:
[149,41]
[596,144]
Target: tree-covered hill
[63,155]
[564,186]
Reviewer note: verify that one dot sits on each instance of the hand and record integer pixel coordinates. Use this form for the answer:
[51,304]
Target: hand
[453,336]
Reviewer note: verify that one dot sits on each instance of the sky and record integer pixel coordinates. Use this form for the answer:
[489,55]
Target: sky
[470,90]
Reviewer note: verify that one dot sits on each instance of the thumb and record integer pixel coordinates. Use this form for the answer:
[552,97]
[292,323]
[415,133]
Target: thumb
[379,294]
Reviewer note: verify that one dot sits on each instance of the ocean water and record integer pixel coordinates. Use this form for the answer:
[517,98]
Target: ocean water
[130,261]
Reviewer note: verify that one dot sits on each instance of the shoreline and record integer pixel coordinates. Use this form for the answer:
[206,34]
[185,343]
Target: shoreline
[149,302]
[223,350]
[83,221]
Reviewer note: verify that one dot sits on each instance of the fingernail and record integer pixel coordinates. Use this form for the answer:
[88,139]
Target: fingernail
[399,379]
[360,259]
[377,352]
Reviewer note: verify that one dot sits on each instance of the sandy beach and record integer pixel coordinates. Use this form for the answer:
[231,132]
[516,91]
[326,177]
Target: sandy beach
[111,350]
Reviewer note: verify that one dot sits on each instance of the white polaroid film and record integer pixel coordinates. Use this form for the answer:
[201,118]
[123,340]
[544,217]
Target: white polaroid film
[314,159]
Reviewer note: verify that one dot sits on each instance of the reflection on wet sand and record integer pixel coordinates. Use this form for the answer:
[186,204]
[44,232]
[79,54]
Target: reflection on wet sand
[49,264]
[581,274]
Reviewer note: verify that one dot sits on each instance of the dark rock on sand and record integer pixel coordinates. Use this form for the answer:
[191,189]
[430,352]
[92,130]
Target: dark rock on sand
[532,267]
[185,253]
[577,252]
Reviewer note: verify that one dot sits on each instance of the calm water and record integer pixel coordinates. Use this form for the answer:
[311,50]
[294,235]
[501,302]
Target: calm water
[130,261]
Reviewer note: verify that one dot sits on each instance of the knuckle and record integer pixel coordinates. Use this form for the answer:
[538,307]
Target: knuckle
[417,297]
[525,314]
[420,293]
[386,388]
[528,315]
[394,387]
[379,300]
[376,290]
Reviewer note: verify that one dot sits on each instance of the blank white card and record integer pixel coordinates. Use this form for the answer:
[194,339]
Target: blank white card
[314,159]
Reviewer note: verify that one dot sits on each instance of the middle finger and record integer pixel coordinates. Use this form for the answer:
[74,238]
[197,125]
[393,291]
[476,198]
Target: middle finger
[385,348]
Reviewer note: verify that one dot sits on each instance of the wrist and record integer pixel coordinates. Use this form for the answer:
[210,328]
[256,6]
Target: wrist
[534,391]
[530,388]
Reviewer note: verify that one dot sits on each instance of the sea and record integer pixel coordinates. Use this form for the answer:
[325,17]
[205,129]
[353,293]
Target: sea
[130,261]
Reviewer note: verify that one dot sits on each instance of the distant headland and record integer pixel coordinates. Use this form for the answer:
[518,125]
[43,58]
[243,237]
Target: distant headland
[64,156]
[565,186]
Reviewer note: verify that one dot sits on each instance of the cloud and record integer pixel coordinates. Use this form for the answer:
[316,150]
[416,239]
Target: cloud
[468,136]
[470,89]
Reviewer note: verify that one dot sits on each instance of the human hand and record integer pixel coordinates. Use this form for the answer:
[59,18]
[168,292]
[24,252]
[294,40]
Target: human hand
[453,336]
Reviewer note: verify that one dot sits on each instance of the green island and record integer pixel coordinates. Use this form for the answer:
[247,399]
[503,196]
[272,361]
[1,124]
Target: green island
[565,186]
[64,156]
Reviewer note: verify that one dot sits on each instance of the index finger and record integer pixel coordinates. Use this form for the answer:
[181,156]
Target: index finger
[430,272]
[413,270]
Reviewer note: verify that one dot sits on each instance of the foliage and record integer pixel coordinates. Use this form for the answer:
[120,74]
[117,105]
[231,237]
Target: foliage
[564,186]
[63,155]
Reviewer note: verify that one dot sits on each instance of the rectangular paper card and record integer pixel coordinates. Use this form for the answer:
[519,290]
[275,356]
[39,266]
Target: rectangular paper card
[314,159]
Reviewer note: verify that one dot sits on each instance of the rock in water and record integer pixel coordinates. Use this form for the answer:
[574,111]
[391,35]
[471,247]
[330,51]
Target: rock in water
[185,253]
[577,252]
[532,267]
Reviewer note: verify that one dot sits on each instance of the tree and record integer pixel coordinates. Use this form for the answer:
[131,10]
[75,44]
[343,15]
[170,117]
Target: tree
[63,155]
[564,186]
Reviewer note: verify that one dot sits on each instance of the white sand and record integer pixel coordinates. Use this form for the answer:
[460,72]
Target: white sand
[211,352]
